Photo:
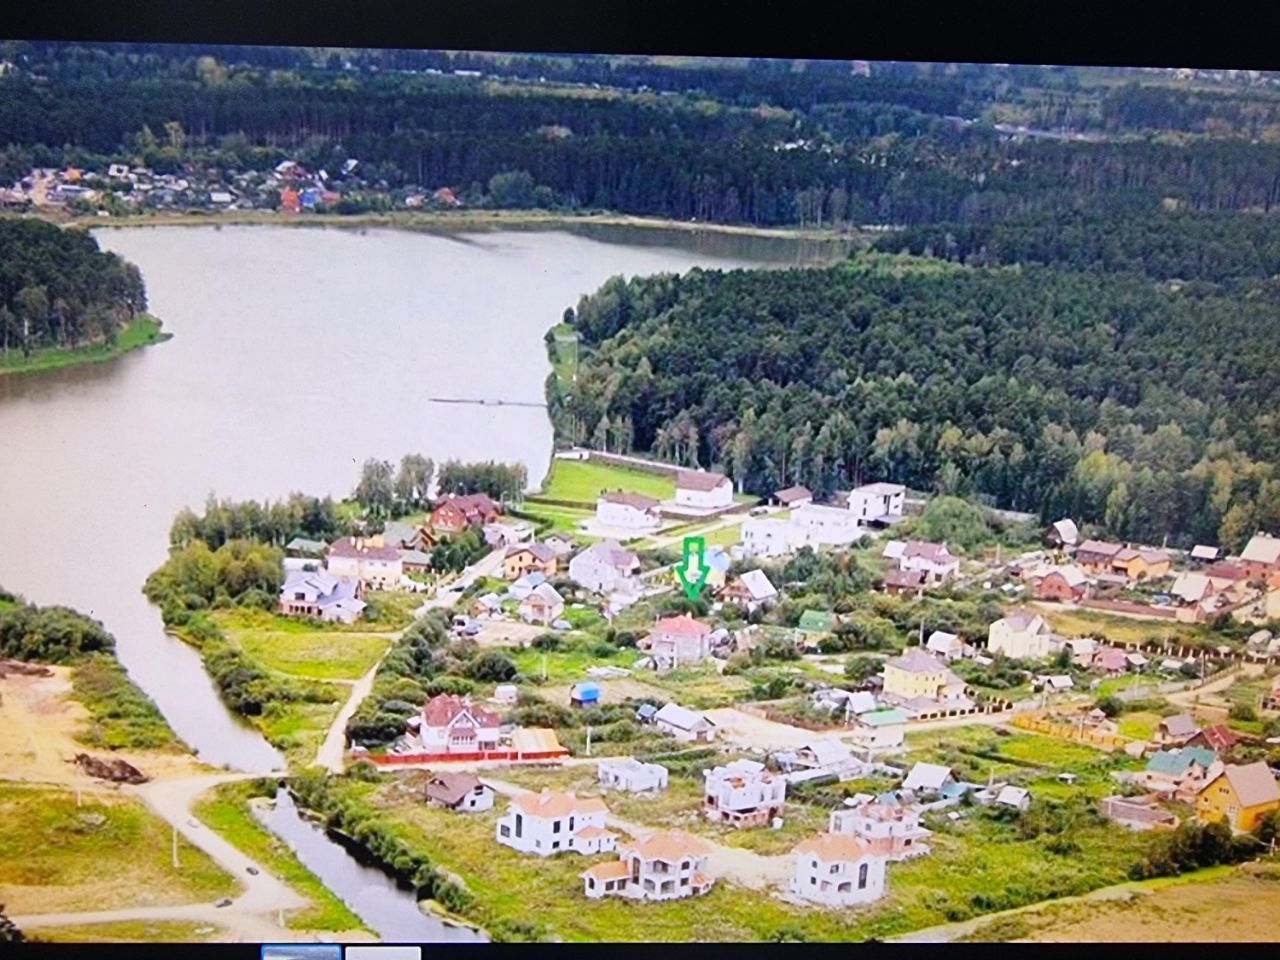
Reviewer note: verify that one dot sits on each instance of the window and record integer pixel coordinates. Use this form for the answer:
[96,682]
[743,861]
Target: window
[591,883]
[555,826]
[519,825]
[862,877]
[813,881]
[684,881]
[835,868]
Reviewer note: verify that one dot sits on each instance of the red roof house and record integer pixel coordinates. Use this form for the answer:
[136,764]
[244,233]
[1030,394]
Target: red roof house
[454,513]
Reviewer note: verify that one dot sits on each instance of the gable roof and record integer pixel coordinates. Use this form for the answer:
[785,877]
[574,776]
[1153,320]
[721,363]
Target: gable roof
[626,498]
[450,787]
[903,578]
[681,717]
[1202,552]
[441,709]
[1253,783]
[539,551]
[758,584]
[1073,575]
[351,549]
[1023,620]
[789,495]
[553,803]
[1013,796]
[612,553]
[681,626]
[941,642]
[546,593]
[1219,737]
[1179,761]
[1262,548]
[926,550]
[703,480]
[1192,587]
[669,846]
[927,776]
[1101,547]
[1067,531]
[1179,725]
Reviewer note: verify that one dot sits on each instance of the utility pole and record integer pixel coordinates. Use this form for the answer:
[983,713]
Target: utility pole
[588,740]
[175,848]
[544,668]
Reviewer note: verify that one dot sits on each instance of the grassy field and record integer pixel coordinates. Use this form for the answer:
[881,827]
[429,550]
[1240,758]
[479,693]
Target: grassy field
[299,728]
[585,480]
[142,331]
[301,648]
[568,664]
[1121,630]
[1139,726]
[110,852]
[226,810]
[127,931]
[564,519]
[121,715]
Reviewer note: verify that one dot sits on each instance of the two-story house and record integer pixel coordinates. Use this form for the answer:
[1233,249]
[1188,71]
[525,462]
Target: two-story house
[1022,635]
[1096,555]
[453,513]
[666,865]
[890,827]
[772,537]
[606,567]
[677,640]
[1241,794]
[529,558]
[837,870]
[818,524]
[1181,772]
[703,490]
[934,560]
[1066,584]
[453,724]
[317,593]
[743,794]
[1261,558]
[355,558]
[553,822]
[630,511]
[877,503]
[914,673]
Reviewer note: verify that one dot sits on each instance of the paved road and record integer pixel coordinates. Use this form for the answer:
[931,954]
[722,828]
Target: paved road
[448,595]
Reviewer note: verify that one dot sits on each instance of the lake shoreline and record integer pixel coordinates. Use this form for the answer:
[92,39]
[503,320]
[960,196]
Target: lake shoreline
[143,331]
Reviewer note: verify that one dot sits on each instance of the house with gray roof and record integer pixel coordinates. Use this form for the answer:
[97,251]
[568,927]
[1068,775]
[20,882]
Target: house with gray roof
[317,593]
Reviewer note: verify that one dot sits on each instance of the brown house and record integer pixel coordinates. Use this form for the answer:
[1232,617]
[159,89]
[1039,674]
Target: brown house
[903,581]
[454,513]
[459,791]
[529,558]
[1096,555]
[1064,584]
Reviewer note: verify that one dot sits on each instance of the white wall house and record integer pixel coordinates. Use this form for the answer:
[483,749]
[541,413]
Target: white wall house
[880,729]
[604,567]
[703,490]
[353,558]
[743,793]
[891,829]
[837,871]
[826,525]
[684,724]
[877,501]
[666,865]
[771,537]
[1022,635]
[632,775]
[453,724]
[676,640]
[553,822]
[630,511]
[934,560]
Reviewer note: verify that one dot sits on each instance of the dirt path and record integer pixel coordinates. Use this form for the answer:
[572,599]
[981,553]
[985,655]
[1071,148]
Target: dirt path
[735,864]
[332,753]
[1188,698]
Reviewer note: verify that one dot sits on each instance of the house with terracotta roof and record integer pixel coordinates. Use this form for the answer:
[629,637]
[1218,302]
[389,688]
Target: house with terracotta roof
[456,790]
[357,558]
[453,513]
[676,640]
[703,490]
[453,724]
[743,794]
[666,865]
[1219,738]
[889,826]
[526,558]
[1068,584]
[837,870]
[552,822]
[1021,635]
[631,511]
[793,496]
[1240,794]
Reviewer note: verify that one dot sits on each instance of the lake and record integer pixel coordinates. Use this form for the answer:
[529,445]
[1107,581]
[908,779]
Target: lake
[297,354]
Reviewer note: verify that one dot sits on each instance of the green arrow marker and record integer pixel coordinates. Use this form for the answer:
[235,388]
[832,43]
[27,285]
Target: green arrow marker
[693,570]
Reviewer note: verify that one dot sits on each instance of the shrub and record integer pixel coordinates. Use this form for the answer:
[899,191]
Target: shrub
[491,666]
[1242,711]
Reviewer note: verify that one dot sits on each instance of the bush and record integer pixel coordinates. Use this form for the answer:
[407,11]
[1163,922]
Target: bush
[1110,705]
[491,666]
[1242,711]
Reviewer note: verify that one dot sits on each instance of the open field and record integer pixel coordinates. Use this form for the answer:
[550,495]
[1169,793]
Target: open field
[568,664]
[300,728]
[304,649]
[1120,630]
[140,332]
[226,810]
[107,852]
[585,480]
[127,931]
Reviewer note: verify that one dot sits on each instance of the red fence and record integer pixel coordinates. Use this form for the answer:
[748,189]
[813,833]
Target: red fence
[389,759]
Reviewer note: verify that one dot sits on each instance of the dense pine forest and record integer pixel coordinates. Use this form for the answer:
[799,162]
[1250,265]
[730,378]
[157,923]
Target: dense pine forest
[58,289]
[761,142]
[1148,409]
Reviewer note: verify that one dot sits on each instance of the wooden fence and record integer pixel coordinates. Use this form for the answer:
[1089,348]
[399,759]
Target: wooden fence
[1067,731]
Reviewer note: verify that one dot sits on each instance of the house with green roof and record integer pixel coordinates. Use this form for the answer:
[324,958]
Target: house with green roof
[1181,771]
[880,729]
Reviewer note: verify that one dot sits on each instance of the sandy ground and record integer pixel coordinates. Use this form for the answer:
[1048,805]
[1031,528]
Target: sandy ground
[38,723]
[742,729]
[506,633]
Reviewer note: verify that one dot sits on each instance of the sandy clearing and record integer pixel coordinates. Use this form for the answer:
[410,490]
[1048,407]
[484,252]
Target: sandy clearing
[745,730]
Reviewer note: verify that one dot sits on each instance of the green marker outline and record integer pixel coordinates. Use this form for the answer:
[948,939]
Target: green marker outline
[693,546]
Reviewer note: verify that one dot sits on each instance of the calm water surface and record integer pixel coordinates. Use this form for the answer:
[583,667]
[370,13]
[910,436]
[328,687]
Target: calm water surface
[296,355]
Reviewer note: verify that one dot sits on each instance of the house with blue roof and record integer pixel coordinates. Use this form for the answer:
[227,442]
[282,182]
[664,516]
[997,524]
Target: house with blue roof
[585,694]
[1181,771]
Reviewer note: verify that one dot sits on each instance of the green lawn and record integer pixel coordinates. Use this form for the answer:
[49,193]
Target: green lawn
[121,716]
[563,519]
[226,810]
[141,332]
[110,852]
[585,480]
[1139,726]
[299,728]
[302,648]
[569,663]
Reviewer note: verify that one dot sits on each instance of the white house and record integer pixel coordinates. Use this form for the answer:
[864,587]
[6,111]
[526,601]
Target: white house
[771,537]
[703,490]
[631,511]
[743,793]
[552,822]
[632,775]
[453,724]
[317,593]
[890,827]
[666,865]
[1017,797]
[354,558]
[928,778]
[605,567]
[676,640]
[934,560]
[837,871]
[684,724]
[946,645]
[877,502]
[826,525]
[1022,635]
[752,590]
[880,729]
[543,604]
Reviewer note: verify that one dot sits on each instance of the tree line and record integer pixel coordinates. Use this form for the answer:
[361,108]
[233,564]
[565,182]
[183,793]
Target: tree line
[1039,388]
[57,289]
